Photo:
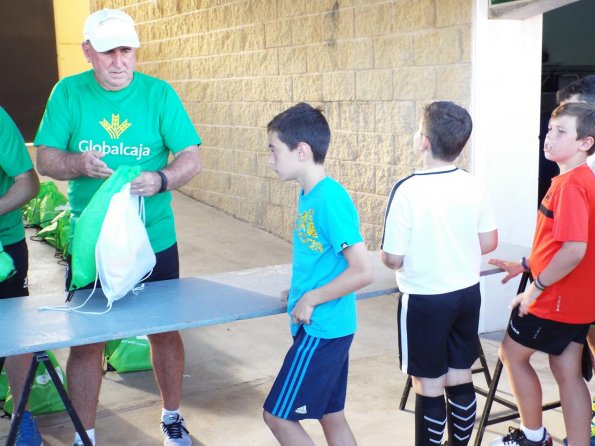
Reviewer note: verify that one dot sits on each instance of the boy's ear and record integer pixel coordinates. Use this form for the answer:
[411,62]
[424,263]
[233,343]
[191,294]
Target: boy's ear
[304,151]
[587,143]
[425,143]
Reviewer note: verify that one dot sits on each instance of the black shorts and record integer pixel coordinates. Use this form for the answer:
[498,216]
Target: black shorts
[18,284]
[438,332]
[544,335]
[167,267]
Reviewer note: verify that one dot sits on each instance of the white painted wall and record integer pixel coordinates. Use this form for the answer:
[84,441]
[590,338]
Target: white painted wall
[505,104]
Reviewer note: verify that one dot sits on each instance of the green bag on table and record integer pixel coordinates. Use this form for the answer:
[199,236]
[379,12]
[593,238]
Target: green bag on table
[128,355]
[44,397]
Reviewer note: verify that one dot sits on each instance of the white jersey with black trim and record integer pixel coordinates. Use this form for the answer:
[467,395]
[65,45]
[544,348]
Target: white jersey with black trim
[433,219]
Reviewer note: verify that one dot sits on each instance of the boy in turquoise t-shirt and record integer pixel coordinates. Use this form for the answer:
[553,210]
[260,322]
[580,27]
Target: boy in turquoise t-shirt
[330,262]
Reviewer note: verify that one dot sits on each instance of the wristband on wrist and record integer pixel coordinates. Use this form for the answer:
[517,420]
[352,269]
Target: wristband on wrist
[524,264]
[163,181]
[538,284]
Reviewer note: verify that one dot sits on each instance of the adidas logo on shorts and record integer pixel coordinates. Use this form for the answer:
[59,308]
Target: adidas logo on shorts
[301,410]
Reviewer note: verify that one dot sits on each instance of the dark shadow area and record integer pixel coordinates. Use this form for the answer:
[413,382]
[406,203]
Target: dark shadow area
[28,51]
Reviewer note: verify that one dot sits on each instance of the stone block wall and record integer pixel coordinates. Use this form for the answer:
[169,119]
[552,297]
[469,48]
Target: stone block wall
[370,64]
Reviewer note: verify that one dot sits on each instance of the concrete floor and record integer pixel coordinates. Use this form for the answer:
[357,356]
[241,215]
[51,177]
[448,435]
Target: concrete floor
[230,367]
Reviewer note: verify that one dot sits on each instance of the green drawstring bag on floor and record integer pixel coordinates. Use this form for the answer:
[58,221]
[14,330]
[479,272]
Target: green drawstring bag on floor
[3,384]
[128,355]
[88,226]
[44,397]
[48,203]
[57,233]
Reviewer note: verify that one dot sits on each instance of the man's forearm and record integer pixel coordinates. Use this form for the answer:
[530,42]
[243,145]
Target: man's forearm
[57,164]
[185,165]
[25,187]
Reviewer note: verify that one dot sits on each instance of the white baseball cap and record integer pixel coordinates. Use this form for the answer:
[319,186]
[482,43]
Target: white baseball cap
[110,28]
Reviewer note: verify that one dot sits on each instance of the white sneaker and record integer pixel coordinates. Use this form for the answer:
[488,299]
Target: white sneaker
[174,431]
[516,437]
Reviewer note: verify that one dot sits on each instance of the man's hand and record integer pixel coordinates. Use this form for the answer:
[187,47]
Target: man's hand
[146,184]
[62,165]
[512,269]
[90,165]
[284,296]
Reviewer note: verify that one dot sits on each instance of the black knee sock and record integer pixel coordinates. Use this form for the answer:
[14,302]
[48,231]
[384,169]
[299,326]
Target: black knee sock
[461,407]
[430,420]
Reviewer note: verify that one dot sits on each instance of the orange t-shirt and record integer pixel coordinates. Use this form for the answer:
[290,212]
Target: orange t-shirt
[567,214]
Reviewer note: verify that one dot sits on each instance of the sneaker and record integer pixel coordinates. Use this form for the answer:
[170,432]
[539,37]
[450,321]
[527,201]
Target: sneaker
[516,437]
[28,434]
[174,431]
[80,443]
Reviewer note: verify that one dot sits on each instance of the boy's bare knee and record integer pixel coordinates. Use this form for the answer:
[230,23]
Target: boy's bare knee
[331,419]
[270,420]
[502,354]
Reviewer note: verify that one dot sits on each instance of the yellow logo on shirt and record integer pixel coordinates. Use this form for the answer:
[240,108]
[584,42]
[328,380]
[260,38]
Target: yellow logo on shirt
[307,232]
[115,128]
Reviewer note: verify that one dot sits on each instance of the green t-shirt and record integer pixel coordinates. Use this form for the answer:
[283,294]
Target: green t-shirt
[14,161]
[140,124]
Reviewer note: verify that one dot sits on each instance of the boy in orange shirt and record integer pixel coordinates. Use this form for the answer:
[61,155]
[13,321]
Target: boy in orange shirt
[554,313]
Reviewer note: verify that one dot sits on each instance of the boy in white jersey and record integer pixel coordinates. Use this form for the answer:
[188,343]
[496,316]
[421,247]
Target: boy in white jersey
[438,223]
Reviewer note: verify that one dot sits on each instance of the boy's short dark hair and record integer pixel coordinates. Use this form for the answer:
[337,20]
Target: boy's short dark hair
[585,119]
[447,126]
[584,89]
[303,123]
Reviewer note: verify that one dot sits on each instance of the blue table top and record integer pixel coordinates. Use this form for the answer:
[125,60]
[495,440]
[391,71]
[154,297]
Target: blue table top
[166,306]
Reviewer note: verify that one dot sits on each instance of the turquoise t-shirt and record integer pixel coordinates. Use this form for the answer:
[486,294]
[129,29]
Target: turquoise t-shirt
[14,161]
[140,124]
[326,223]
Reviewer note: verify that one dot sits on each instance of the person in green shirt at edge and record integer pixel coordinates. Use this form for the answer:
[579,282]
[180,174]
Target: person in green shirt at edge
[94,122]
[18,184]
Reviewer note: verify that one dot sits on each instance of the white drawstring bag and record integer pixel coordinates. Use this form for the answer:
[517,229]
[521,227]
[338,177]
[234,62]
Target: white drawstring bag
[123,252]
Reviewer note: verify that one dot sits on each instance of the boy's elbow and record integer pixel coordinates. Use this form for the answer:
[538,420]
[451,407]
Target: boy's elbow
[391,261]
[485,249]
[367,275]
[488,241]
[576,252]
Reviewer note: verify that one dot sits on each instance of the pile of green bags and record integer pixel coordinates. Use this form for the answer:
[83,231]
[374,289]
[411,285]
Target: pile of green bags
[43,208]
[50,212]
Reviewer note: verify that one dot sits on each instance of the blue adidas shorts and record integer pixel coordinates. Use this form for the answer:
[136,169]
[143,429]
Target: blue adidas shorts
[313,378]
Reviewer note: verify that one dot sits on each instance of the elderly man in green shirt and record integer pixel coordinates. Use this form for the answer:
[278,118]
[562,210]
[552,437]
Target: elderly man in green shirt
[94,122]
